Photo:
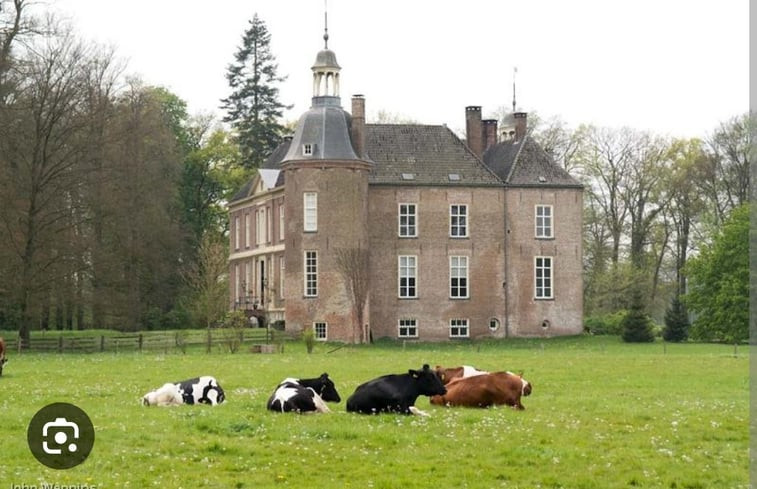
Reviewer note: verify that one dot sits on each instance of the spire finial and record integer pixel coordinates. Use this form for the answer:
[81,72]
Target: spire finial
[515,71]
[326,24]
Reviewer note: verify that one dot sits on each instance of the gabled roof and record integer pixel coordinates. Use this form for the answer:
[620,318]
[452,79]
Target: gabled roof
[525,164]
[265,179]
[414,154]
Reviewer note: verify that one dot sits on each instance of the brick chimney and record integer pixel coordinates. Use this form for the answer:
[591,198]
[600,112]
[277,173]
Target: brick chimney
[521,125]
[357,130]
[473,131]
[489,133]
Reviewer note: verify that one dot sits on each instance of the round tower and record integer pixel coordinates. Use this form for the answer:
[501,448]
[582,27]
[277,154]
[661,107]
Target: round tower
[326,195]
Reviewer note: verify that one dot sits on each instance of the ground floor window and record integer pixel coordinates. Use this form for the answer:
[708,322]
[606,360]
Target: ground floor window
[458,328]
[321,331]
[408,328]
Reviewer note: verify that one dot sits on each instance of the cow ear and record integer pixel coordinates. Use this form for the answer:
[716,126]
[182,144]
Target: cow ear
[324,375]
[426,368]
[443,376]
[414,373]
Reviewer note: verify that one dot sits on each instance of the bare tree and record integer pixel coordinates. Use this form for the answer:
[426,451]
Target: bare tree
[207,280]
[352,264]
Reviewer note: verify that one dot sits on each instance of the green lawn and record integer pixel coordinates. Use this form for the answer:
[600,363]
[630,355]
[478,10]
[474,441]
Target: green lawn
[603,414]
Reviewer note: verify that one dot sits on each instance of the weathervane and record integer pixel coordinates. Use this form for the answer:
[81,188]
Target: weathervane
[326,23]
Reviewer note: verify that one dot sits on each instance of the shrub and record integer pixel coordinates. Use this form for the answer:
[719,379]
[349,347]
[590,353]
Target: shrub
[607,324]
[309,337]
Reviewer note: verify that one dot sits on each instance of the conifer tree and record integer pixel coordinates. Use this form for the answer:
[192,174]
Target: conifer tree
[676,322]
[253,107]
[636,325]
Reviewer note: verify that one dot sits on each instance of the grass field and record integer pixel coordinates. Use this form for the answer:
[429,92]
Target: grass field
[603,414]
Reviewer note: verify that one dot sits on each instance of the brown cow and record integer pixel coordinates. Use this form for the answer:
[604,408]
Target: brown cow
[2,355]
[447,375]
[485,390]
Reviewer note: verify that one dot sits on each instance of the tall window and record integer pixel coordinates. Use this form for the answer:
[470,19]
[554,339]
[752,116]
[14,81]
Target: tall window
[408,221]
[311,273]
[544,221]
[247,230]
[408,270]
[408,328]
[282,273]
[281,222]
[321,331]
[311,211]
[458,221]
[259,226]
[458,277]
[237,232]
[543,277]
[458,328]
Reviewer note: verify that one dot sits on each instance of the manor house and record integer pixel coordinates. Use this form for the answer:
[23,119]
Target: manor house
[406,231]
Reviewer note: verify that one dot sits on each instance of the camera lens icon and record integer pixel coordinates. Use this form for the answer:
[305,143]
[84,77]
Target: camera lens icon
[61,435]
[60,426]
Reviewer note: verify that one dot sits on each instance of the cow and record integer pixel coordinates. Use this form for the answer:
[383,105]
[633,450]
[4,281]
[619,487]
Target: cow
[498,388]
[395,393]
[3,360]
[447,375]
[304,395]
[200,390]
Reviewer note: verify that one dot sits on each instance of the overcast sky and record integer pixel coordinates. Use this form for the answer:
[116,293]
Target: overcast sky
[674,67]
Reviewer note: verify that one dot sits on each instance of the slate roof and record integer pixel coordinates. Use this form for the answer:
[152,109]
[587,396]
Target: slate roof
[429,153]
[526,164]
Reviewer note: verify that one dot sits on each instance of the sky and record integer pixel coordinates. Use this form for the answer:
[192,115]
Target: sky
[673,67]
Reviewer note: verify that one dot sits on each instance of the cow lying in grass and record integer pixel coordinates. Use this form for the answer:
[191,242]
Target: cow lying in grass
[395,393]
[303,395]
[200,390]
[499,388]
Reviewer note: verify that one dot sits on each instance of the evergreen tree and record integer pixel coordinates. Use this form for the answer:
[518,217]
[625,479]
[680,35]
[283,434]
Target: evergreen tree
[637,327]
[676,322]
[253,107]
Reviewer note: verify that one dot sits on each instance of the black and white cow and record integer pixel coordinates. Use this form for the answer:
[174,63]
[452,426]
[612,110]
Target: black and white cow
[396,393]
[3,360]
[304,395]
[200,390]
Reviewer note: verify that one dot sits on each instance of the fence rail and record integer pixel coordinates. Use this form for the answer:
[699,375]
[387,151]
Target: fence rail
[146,341]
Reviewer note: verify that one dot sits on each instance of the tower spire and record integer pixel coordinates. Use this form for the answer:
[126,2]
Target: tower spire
[515,71]
[325,24]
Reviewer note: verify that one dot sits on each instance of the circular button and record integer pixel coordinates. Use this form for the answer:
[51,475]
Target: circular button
[61,435]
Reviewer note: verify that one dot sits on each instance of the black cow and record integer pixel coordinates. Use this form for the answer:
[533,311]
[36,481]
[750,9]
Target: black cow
[2,355]
[304,395]
[200,390]
[395,393]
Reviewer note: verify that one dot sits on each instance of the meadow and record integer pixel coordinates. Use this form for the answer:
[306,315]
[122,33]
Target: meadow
[603,414]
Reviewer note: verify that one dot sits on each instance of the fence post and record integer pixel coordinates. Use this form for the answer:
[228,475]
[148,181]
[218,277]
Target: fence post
[139,342]
[60,344]
[102,343]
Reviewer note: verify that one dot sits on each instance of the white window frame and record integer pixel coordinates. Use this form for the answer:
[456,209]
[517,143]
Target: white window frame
[408,325]
[310,212]
[544,285]
[310,273]
[247,230]
[281,222]
[458,269]
[237,284]
[403,230]
[307,149]
[282,274]
[455,219]
[544,221]
[409,271]
[321,330]
[462,325]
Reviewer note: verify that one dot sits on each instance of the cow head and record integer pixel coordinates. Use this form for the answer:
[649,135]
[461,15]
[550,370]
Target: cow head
[447,375]
[327,390]
[428,382]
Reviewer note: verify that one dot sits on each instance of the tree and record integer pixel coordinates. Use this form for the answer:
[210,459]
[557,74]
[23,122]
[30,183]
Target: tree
[352,264]
[719,282]
[676,322]
[253,107]
[208,282]
[636,325]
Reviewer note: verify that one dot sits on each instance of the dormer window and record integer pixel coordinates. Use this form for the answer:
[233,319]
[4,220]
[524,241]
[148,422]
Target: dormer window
[307,149]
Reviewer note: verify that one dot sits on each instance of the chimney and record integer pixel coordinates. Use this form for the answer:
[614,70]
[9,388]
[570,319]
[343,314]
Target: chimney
[357,129]
[520,125]
[473,129]
[490,133]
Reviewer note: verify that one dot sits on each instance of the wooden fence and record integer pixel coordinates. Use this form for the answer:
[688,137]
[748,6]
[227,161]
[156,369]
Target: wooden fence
[146,341]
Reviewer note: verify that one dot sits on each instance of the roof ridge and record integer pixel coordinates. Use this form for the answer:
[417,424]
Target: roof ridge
[516,160]
[479,160]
